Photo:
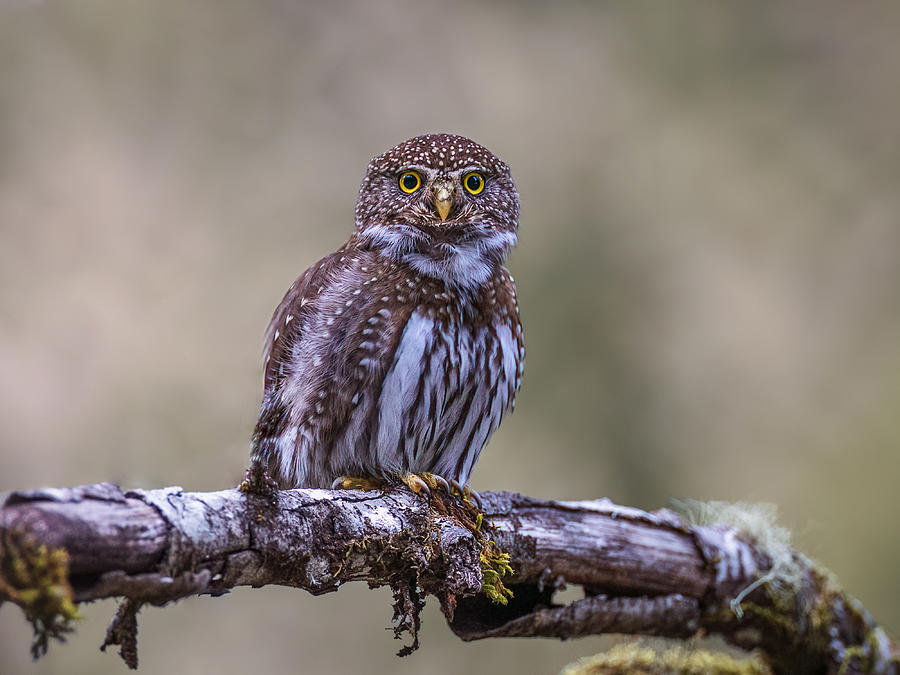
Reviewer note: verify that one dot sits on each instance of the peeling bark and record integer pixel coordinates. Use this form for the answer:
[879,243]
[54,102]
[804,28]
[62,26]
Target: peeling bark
[642,573]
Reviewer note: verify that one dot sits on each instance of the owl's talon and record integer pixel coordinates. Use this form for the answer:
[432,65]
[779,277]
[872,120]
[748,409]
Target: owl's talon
[470,495]
[465,493]
[455,488]
[435,481]
[416,483]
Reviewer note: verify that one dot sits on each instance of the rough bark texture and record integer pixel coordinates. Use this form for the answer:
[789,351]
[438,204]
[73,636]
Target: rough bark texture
[642,573]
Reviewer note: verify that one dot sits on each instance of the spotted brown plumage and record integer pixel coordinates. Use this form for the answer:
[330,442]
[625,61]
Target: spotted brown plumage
[402,351]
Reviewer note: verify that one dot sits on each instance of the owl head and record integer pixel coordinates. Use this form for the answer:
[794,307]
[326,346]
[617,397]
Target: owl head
[442,204]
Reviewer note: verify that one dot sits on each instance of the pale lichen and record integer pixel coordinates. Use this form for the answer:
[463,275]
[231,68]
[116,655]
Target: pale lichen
[757,523]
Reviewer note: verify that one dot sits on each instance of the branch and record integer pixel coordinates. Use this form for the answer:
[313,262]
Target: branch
[642,573]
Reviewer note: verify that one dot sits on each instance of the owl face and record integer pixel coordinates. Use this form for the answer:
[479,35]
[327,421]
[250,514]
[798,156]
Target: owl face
[442,204]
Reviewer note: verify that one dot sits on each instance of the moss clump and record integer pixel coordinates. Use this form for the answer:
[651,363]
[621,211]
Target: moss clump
[465,509]
[638,659]
[494,566]
[36,578]
[495,563]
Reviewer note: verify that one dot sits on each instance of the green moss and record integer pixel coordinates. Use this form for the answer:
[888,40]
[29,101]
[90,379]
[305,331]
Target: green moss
[36,578]
[494,566]
[495,563]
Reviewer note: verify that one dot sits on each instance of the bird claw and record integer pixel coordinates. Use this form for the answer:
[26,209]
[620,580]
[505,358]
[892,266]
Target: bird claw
[465,494]
[470,495]
[417,484]
[426,482]
[455,488]
[435,481]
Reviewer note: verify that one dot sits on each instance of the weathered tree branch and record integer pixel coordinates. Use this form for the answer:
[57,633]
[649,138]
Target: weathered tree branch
[642,573]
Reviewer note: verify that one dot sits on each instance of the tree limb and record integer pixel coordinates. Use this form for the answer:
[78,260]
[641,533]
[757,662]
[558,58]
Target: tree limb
[642,573]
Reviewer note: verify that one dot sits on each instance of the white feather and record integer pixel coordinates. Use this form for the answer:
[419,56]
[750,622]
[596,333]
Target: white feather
[399,389]
[465,264]
[471,355]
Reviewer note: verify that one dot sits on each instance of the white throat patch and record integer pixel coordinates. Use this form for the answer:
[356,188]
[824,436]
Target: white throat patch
[463,265]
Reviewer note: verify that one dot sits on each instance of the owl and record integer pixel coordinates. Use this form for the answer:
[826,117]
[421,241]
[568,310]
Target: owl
[397,356]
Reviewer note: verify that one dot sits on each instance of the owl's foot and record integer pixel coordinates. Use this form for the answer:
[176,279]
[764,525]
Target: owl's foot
[416,483]
[423,483]
[465,494]
[435,481]
[357,483]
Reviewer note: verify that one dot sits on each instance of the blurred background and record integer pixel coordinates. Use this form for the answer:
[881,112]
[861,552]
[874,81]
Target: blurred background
[709,267]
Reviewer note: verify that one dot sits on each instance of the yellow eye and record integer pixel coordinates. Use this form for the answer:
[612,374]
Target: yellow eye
[410,182]
[474,183]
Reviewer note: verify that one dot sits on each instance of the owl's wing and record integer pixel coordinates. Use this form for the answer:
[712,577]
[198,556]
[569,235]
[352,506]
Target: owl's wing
[286,326]
[285,330]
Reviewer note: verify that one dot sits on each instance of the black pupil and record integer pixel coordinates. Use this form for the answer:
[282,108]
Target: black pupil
[410,182]
[473,182]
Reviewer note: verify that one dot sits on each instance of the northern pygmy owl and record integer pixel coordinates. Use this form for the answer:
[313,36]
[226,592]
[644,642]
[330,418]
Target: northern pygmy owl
[401,352]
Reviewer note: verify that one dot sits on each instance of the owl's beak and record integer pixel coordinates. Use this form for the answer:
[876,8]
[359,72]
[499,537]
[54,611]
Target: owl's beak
[443,198]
